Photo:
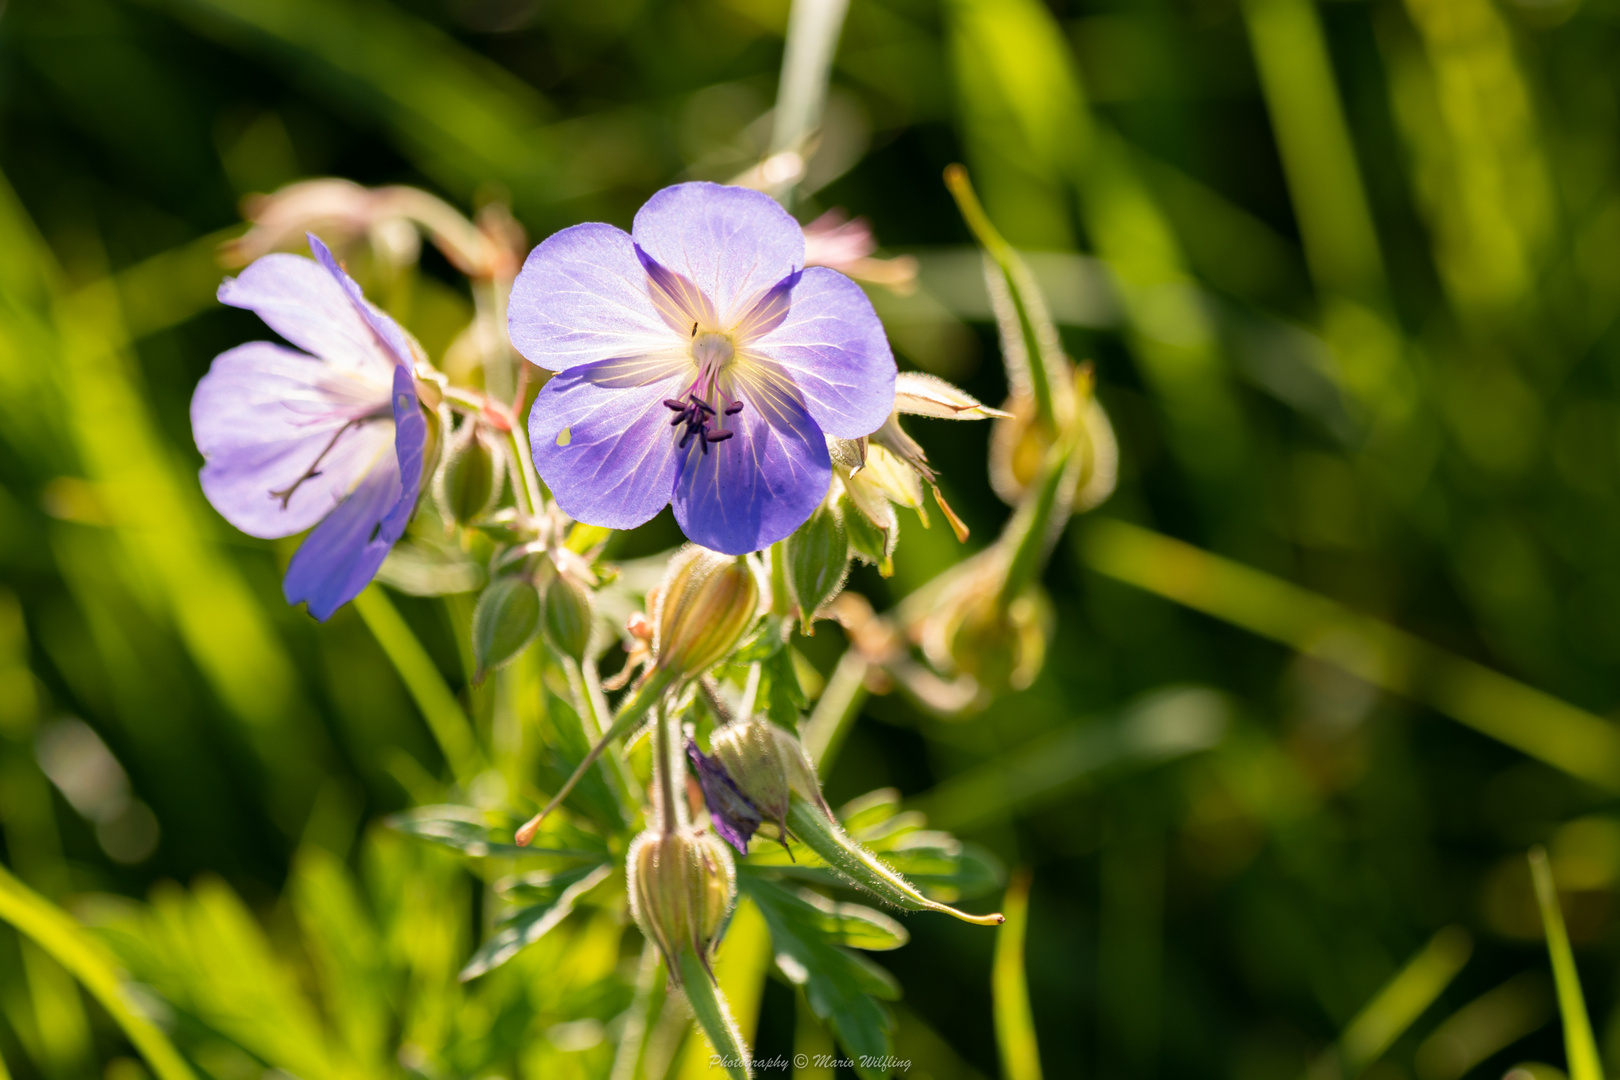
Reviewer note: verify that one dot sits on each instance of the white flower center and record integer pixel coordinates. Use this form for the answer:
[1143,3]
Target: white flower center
[712,351]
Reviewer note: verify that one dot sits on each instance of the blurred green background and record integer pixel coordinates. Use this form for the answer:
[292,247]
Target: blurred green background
[1350,275]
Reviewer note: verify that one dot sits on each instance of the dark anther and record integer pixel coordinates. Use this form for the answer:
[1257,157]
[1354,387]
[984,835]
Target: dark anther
[697,415]
[694,329]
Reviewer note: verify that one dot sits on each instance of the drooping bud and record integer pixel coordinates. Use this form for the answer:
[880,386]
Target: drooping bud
[681,885]
[706,604]
[505,620]
[761,764]
[567,622]
[817,556]
[470,475]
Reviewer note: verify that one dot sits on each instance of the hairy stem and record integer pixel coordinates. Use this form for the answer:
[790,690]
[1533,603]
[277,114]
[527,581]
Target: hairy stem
[714,1017]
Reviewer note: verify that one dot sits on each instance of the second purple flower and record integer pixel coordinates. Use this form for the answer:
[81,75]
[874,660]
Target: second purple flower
[699,363]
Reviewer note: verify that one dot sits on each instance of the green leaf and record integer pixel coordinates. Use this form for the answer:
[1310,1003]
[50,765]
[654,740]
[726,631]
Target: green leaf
[779,690]
[842,987]
[531,923]
[471,832]
[852,925]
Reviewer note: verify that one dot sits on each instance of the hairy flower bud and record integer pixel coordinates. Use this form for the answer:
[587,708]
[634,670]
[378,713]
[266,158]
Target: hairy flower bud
[754,769]
[469,478]
[817,557]
[567,622]
[681,885]
[707,603]
[505,620]
[1019,444]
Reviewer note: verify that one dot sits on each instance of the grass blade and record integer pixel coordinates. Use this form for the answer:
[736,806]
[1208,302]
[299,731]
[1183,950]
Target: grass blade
[1524,718]
[1009,988]
[1403,999]
[1579,1045]
[443,713]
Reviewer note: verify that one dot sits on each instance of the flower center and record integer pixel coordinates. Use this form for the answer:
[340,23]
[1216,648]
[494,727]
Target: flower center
[702,411]
[712,352]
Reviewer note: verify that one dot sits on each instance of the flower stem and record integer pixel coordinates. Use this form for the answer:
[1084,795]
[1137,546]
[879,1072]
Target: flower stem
[642,698]
[663,765]
[714,1016]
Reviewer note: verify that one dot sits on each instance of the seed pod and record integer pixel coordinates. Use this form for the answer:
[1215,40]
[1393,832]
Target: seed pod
[706,604]
[567,624]
[505,620]
[817,557]
[681,885]
[469,476]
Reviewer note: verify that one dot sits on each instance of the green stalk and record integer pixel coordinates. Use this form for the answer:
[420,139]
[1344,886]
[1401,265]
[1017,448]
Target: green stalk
[811,825]
[714,1017]
[642,698]
[1041,514]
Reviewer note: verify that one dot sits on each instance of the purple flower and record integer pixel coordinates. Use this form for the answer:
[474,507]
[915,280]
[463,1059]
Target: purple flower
[700,363]
[332,435]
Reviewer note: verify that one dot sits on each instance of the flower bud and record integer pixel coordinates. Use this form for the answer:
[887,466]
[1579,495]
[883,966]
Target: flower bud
[469,476]
[505,620]
[817,557]
[754,769]
[567,624]
[707,603]
[1019,444]
[681,885]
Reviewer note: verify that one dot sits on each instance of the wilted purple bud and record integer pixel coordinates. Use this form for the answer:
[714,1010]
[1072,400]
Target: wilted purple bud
[333,437]
[753,770]
[700,363]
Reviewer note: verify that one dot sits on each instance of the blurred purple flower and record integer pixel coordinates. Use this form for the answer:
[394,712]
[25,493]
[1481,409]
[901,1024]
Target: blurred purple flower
[700,363]
[291,439]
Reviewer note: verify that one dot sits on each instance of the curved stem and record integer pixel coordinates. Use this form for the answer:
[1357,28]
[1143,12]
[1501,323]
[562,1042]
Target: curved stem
[642,698]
